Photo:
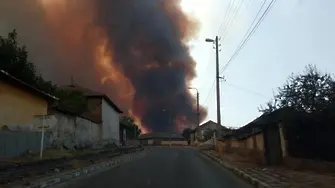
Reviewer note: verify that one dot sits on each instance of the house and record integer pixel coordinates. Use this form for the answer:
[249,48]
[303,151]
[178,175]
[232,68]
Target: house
[262,139]
[162,138]
[207,129]
[20,102]
[101,108]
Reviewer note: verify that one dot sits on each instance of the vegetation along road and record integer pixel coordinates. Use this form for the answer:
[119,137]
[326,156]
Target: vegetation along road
[164,168]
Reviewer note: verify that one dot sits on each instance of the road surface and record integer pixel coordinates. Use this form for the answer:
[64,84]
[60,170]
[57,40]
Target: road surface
[164,168]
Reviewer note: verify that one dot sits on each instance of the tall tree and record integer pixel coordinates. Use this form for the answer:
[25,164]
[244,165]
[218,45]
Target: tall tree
[14,60]
[134,130]
[72,101]
[311,91]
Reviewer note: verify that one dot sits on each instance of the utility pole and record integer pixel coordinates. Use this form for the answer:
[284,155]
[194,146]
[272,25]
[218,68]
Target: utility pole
[218,84]
[217,77]
[198,110]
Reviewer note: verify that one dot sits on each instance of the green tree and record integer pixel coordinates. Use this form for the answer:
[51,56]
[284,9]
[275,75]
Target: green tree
[14,60]
[311,91]
[72,101]
[134,131]
[269,107]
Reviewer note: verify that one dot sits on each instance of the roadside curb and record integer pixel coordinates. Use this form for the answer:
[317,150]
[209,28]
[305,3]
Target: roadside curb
[67,176]
[252,180]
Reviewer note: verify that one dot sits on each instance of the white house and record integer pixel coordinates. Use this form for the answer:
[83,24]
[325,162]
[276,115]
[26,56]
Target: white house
[102,109]
[210,126]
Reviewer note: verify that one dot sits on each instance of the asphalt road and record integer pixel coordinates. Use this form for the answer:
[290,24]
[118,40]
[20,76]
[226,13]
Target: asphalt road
[164,168]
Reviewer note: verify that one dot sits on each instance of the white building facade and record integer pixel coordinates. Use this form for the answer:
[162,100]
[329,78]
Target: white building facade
[110,122]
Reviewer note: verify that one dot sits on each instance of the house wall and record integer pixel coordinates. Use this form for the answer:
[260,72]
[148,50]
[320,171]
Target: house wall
[110,123]
[235,143]
[86,132]
[16,143]
[211,125]
[250,142]
[69,131]
[272,145]
[175,142]
[18,107]
[94,109]
[259,141]
[250,148]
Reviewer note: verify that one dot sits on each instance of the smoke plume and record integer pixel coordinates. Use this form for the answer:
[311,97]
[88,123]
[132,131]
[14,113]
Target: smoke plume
[133,50]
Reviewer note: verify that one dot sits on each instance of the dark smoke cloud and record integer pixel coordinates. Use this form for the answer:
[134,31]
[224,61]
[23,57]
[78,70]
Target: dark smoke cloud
[155,29]
[146,39]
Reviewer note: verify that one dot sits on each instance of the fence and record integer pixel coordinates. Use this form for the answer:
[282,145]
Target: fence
[15,143]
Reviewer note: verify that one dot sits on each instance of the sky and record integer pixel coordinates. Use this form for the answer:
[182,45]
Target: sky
[294,33]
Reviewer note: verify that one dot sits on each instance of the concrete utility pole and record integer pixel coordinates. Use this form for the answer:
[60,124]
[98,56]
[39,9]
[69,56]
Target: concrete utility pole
[216,42]
[198,109]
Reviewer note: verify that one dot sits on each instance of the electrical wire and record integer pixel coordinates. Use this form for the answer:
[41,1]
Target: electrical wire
[248,35]
[247,90]
[228,11]
[225,32]
[210,93]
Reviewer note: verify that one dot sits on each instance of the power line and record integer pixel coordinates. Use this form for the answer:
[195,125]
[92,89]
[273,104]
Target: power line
[248,35]
[225,32]
[225,16]
[207,104]
[247,90]
[211,91]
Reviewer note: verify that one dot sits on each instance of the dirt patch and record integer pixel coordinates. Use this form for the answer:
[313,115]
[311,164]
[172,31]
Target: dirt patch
[278,176]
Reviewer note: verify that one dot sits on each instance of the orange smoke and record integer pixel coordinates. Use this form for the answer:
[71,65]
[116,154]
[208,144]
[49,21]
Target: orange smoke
[91,50]
[71,23]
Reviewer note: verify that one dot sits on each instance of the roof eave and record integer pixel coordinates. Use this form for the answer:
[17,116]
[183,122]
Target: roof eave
[42,93]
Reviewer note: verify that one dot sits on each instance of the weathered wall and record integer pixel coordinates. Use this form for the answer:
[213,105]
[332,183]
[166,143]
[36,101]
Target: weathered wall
[255,141]
[94,107]
[235,143]
[86,132]
[110,123]
[250,142]
[210,125]
[175,142]
[18,107]
[259,141]
[15,143]
[250,148]
[69,131]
